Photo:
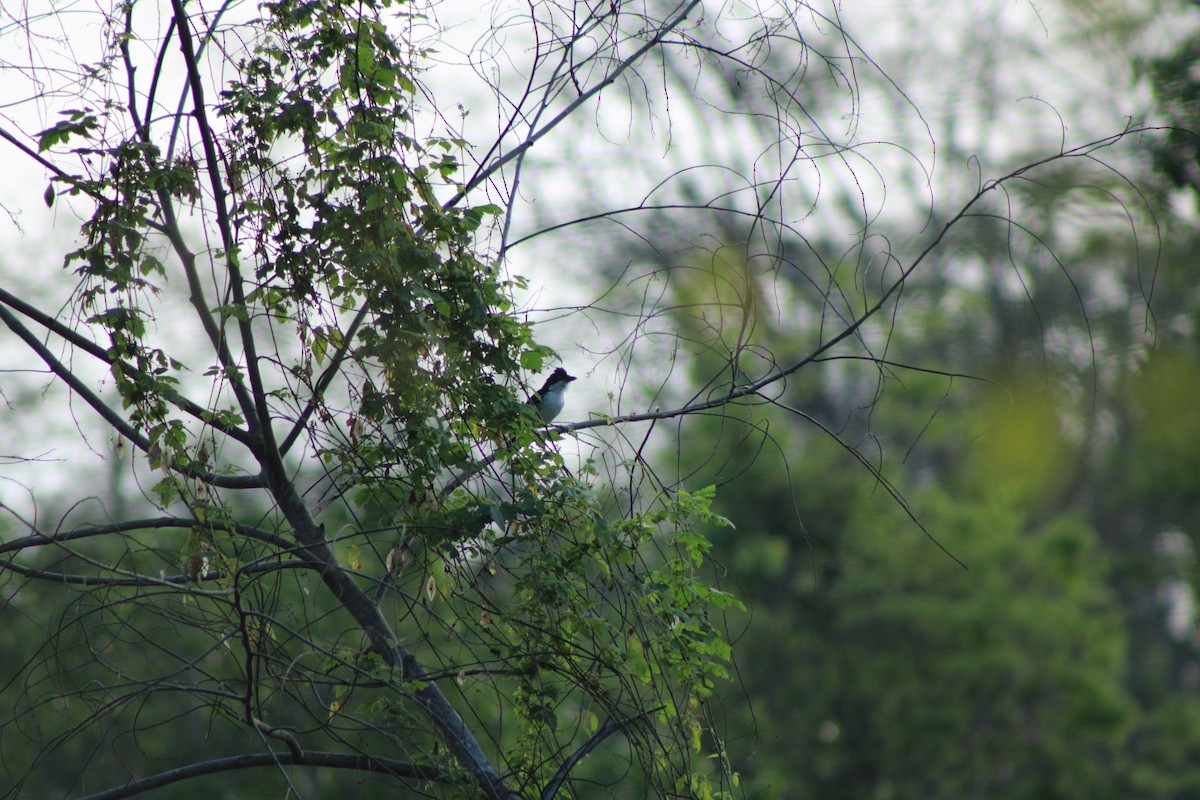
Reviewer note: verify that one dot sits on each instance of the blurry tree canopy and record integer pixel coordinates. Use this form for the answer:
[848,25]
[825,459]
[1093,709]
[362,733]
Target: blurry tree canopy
[1048,440]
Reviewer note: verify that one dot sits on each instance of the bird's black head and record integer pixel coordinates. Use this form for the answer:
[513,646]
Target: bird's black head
[559,375]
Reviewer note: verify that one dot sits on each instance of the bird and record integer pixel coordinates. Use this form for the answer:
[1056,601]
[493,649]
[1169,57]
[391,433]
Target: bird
[548,401]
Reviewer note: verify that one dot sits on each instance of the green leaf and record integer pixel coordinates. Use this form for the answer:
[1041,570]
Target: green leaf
[532,360]
[233,311]
[78,124]
[166,491]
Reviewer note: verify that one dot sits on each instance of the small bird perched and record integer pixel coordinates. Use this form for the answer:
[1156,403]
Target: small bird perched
[548,400]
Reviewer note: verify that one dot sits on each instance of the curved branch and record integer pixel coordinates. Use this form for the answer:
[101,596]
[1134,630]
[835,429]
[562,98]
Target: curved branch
[75,579]
[167,581]
[608,729]
[754,387]
[359,763]
[41,539]
[486,172]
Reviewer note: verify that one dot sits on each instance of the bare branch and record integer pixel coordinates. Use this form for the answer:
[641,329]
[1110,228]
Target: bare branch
[39,539]
[606,730]
[110,416]
[358,763]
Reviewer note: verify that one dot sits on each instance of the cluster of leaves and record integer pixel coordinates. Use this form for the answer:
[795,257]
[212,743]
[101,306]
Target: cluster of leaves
[610,625]
[349,221]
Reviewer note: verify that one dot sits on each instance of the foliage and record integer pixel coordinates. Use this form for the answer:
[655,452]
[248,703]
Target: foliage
[351,317]
[1010,659]
[1030,420]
